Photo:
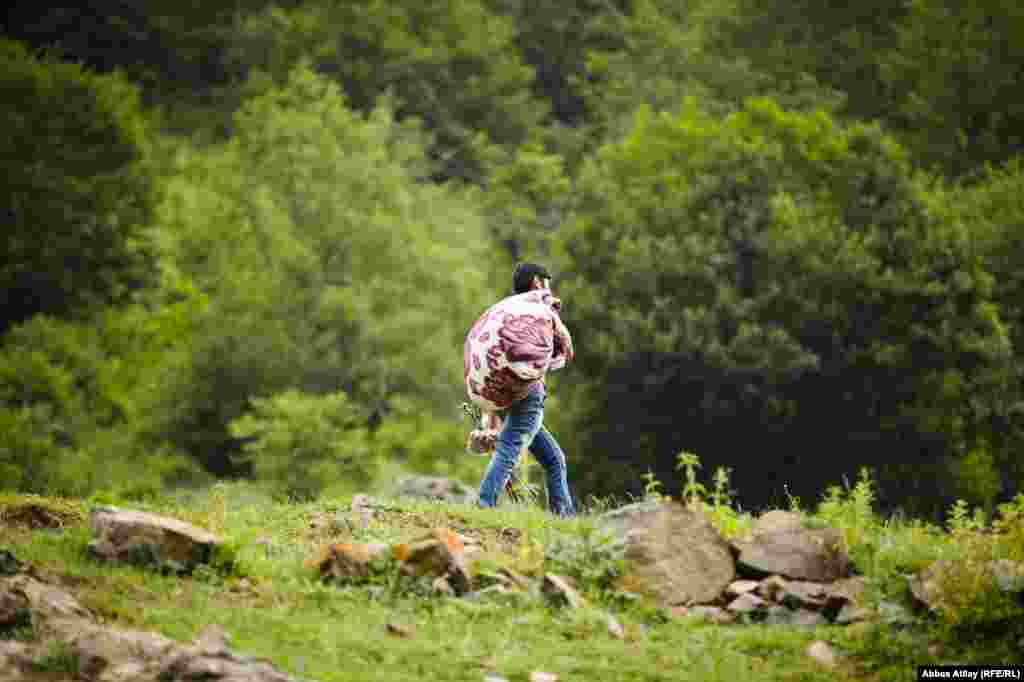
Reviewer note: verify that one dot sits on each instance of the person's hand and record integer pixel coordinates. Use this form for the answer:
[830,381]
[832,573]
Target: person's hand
[556,303]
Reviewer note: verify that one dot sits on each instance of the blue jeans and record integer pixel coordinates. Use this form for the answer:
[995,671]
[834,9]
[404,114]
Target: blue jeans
[524,424]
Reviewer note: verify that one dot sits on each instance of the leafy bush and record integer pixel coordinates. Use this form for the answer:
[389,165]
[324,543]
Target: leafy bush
[72,403]
[302,442]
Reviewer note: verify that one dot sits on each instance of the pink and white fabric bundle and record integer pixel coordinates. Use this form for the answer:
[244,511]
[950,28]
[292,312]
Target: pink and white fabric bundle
[511,347]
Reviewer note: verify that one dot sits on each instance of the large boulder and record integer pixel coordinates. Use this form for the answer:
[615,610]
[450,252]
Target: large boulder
[671,553]
[781,547]
[435,488]
[149,539]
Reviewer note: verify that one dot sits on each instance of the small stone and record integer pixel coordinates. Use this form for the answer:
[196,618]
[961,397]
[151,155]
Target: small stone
[494,678]
[557,587]
[771,588]
[746,603]
[822,653]
[512,578]
[615,628]
[212,639]
[441,586]
[807,618]
[346,561]
[399,630]
[738,587]
[538,676]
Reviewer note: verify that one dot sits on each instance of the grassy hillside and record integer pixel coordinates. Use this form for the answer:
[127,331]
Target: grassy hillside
[268,600]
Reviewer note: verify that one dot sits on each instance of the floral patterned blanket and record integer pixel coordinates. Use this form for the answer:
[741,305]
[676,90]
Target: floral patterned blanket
[511,347]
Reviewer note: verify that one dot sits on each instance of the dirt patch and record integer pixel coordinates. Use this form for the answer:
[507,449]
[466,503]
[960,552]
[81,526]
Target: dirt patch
[36,516]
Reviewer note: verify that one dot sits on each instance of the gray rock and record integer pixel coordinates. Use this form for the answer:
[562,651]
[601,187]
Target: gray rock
[777,520]
[672,553]
[435,488]
[149,539]
[738,587]
[822,653]
[747,603]
[806,554]
[107,654]
[559,589]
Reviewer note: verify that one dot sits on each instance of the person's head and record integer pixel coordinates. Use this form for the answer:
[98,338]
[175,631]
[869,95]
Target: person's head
[529,276]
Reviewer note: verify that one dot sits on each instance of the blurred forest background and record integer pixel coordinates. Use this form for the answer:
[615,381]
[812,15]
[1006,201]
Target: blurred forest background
[247,239]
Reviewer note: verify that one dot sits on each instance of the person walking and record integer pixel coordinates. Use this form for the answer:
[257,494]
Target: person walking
[507,354]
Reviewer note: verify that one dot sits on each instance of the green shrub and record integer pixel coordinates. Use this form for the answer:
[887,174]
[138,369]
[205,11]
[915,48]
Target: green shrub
[302,442]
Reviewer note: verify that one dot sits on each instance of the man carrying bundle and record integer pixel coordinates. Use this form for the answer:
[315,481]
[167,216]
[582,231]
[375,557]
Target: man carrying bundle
[506,356]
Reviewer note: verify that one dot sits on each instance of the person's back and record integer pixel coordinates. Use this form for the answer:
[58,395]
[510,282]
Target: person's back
[511,347]
[506,356]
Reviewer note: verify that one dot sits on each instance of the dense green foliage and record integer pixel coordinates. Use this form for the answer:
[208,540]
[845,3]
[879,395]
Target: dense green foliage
[74,192]
[787,234]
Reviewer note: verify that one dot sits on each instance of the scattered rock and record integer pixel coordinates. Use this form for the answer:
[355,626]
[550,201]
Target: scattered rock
[15,660]
[442,586]
[800,594]
[440,553]
[747,602]
[822,653]
[37,516]
[783,615]
[815,555]
[399,630]
[494,678]
[771,587]
[615,627]
[346,561]
[149,539]
[46,603]
[14,611]
[212,640]
[9,564]
[777,520]
[738,587]
[538,676]
[671,552]
[560,591]
[513,579]
[107,654]
[436,488]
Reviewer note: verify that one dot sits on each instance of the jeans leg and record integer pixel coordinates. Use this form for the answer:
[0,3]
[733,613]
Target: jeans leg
[521,424]
[547,451]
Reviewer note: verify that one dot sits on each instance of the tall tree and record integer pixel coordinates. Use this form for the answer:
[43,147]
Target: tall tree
[772,282]
[75,189]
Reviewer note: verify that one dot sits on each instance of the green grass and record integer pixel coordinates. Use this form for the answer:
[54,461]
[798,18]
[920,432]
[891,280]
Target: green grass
[273,607]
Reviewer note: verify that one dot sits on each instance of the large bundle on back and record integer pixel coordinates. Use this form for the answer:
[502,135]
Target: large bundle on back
[511,347]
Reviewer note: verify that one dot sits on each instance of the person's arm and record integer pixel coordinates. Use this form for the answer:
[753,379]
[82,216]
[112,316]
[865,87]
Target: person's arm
[564,351]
